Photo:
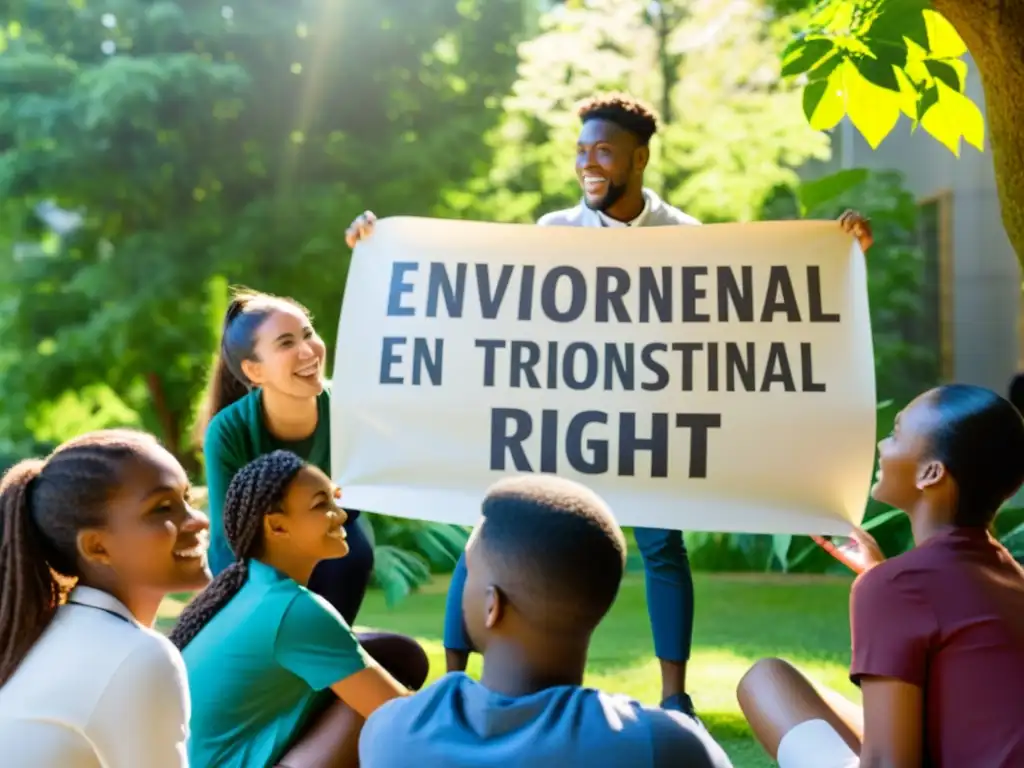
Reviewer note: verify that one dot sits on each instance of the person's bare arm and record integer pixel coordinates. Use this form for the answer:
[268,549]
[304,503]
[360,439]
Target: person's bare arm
[368,689]
[893,717]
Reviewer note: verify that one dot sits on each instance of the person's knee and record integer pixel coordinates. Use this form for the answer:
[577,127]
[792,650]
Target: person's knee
[404,658]
[415,663]
[764,676]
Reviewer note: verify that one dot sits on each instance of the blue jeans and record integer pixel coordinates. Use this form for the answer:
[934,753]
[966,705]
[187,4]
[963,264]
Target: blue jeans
[669,596]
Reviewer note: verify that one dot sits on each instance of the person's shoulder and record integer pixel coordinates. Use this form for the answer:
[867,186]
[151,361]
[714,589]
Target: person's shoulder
[155,651]
[304,611]
[908,575]
[398,716]
[567,217]
[905,567]
[230,424]
[677,217]
[678,740]
[663,214]
[152,667]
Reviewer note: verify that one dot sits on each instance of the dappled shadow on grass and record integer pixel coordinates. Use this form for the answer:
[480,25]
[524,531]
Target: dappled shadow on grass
[752,615]
[806,619]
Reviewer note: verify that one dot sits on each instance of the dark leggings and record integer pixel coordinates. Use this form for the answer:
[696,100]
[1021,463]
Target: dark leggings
[669,596]
[343,581]
[402,656]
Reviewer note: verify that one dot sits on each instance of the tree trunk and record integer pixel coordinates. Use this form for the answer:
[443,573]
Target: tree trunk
[170,424]
[994,33]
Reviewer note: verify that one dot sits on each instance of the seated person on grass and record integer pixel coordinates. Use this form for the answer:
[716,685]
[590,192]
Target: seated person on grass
[87,681]
[544,566]
[276,675]
[938,632]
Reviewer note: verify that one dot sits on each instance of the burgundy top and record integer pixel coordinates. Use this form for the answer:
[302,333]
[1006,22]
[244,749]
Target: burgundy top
[948,616]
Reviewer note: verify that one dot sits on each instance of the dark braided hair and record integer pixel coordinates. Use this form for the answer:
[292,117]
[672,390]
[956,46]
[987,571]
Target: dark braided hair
[44,503]
[227,383]
[256,491]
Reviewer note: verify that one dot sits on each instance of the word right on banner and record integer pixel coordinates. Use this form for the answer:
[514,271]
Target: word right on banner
[703,378]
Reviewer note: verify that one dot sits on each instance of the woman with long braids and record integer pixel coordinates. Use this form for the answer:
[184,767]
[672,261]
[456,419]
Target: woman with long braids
[277,675]
[266,393]
[84,679]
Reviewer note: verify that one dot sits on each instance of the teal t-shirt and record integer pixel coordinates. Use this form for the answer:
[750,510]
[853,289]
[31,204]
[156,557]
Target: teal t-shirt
[238,435]
[260,667]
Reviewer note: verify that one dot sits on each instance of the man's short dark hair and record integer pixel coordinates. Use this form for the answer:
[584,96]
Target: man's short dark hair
[626,112]
[555,548]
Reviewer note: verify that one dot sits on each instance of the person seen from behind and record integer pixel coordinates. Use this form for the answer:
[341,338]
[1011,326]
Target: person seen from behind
[92,539]
[544,566]
[938,632]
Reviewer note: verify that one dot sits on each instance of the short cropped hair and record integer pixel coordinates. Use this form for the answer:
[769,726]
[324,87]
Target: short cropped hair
[556,548]
[626,112]
[979,438]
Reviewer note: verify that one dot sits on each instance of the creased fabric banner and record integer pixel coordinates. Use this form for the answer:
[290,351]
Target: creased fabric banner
[713,378]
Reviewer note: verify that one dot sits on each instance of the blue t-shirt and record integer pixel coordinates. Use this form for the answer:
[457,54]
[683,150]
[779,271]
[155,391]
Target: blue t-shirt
[261,667]
[457,723]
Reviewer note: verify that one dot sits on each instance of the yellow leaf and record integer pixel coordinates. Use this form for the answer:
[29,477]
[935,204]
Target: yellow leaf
[937,123]
[952,117]
[874,111]
[965,114]
[943,39]
[907,95]
[831,106]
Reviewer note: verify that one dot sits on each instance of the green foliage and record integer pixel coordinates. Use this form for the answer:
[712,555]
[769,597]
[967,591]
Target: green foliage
[873,60]
[730,131]
[202,145]
[1010,528]
[195,144]
[906,354]
[408,551]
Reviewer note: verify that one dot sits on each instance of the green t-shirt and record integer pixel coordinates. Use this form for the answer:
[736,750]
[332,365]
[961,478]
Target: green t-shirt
[238,435]
[260,667]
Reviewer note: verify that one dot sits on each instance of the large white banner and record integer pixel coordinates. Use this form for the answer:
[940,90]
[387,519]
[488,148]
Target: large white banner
[715,378]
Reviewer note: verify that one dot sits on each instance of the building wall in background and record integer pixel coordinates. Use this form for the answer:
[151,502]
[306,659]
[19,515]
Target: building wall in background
[974,289]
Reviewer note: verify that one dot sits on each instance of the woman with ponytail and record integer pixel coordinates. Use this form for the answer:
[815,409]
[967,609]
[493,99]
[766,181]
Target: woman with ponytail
[91,540]
[276,673]
[266,393]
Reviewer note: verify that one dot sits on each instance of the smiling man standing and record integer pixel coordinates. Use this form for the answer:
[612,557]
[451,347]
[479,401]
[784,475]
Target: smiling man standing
[612,153]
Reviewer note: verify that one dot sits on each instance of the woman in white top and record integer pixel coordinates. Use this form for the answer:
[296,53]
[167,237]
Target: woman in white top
[84,679]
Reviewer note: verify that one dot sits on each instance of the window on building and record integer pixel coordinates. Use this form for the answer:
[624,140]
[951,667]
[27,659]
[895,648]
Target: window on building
[931,326]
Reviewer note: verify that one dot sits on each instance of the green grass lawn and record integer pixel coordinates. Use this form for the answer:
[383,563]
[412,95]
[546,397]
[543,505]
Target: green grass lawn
[740,618]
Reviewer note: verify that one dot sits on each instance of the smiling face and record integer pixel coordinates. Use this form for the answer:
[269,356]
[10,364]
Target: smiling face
[153,538]
[289,355]
[311,519]
[609,163]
